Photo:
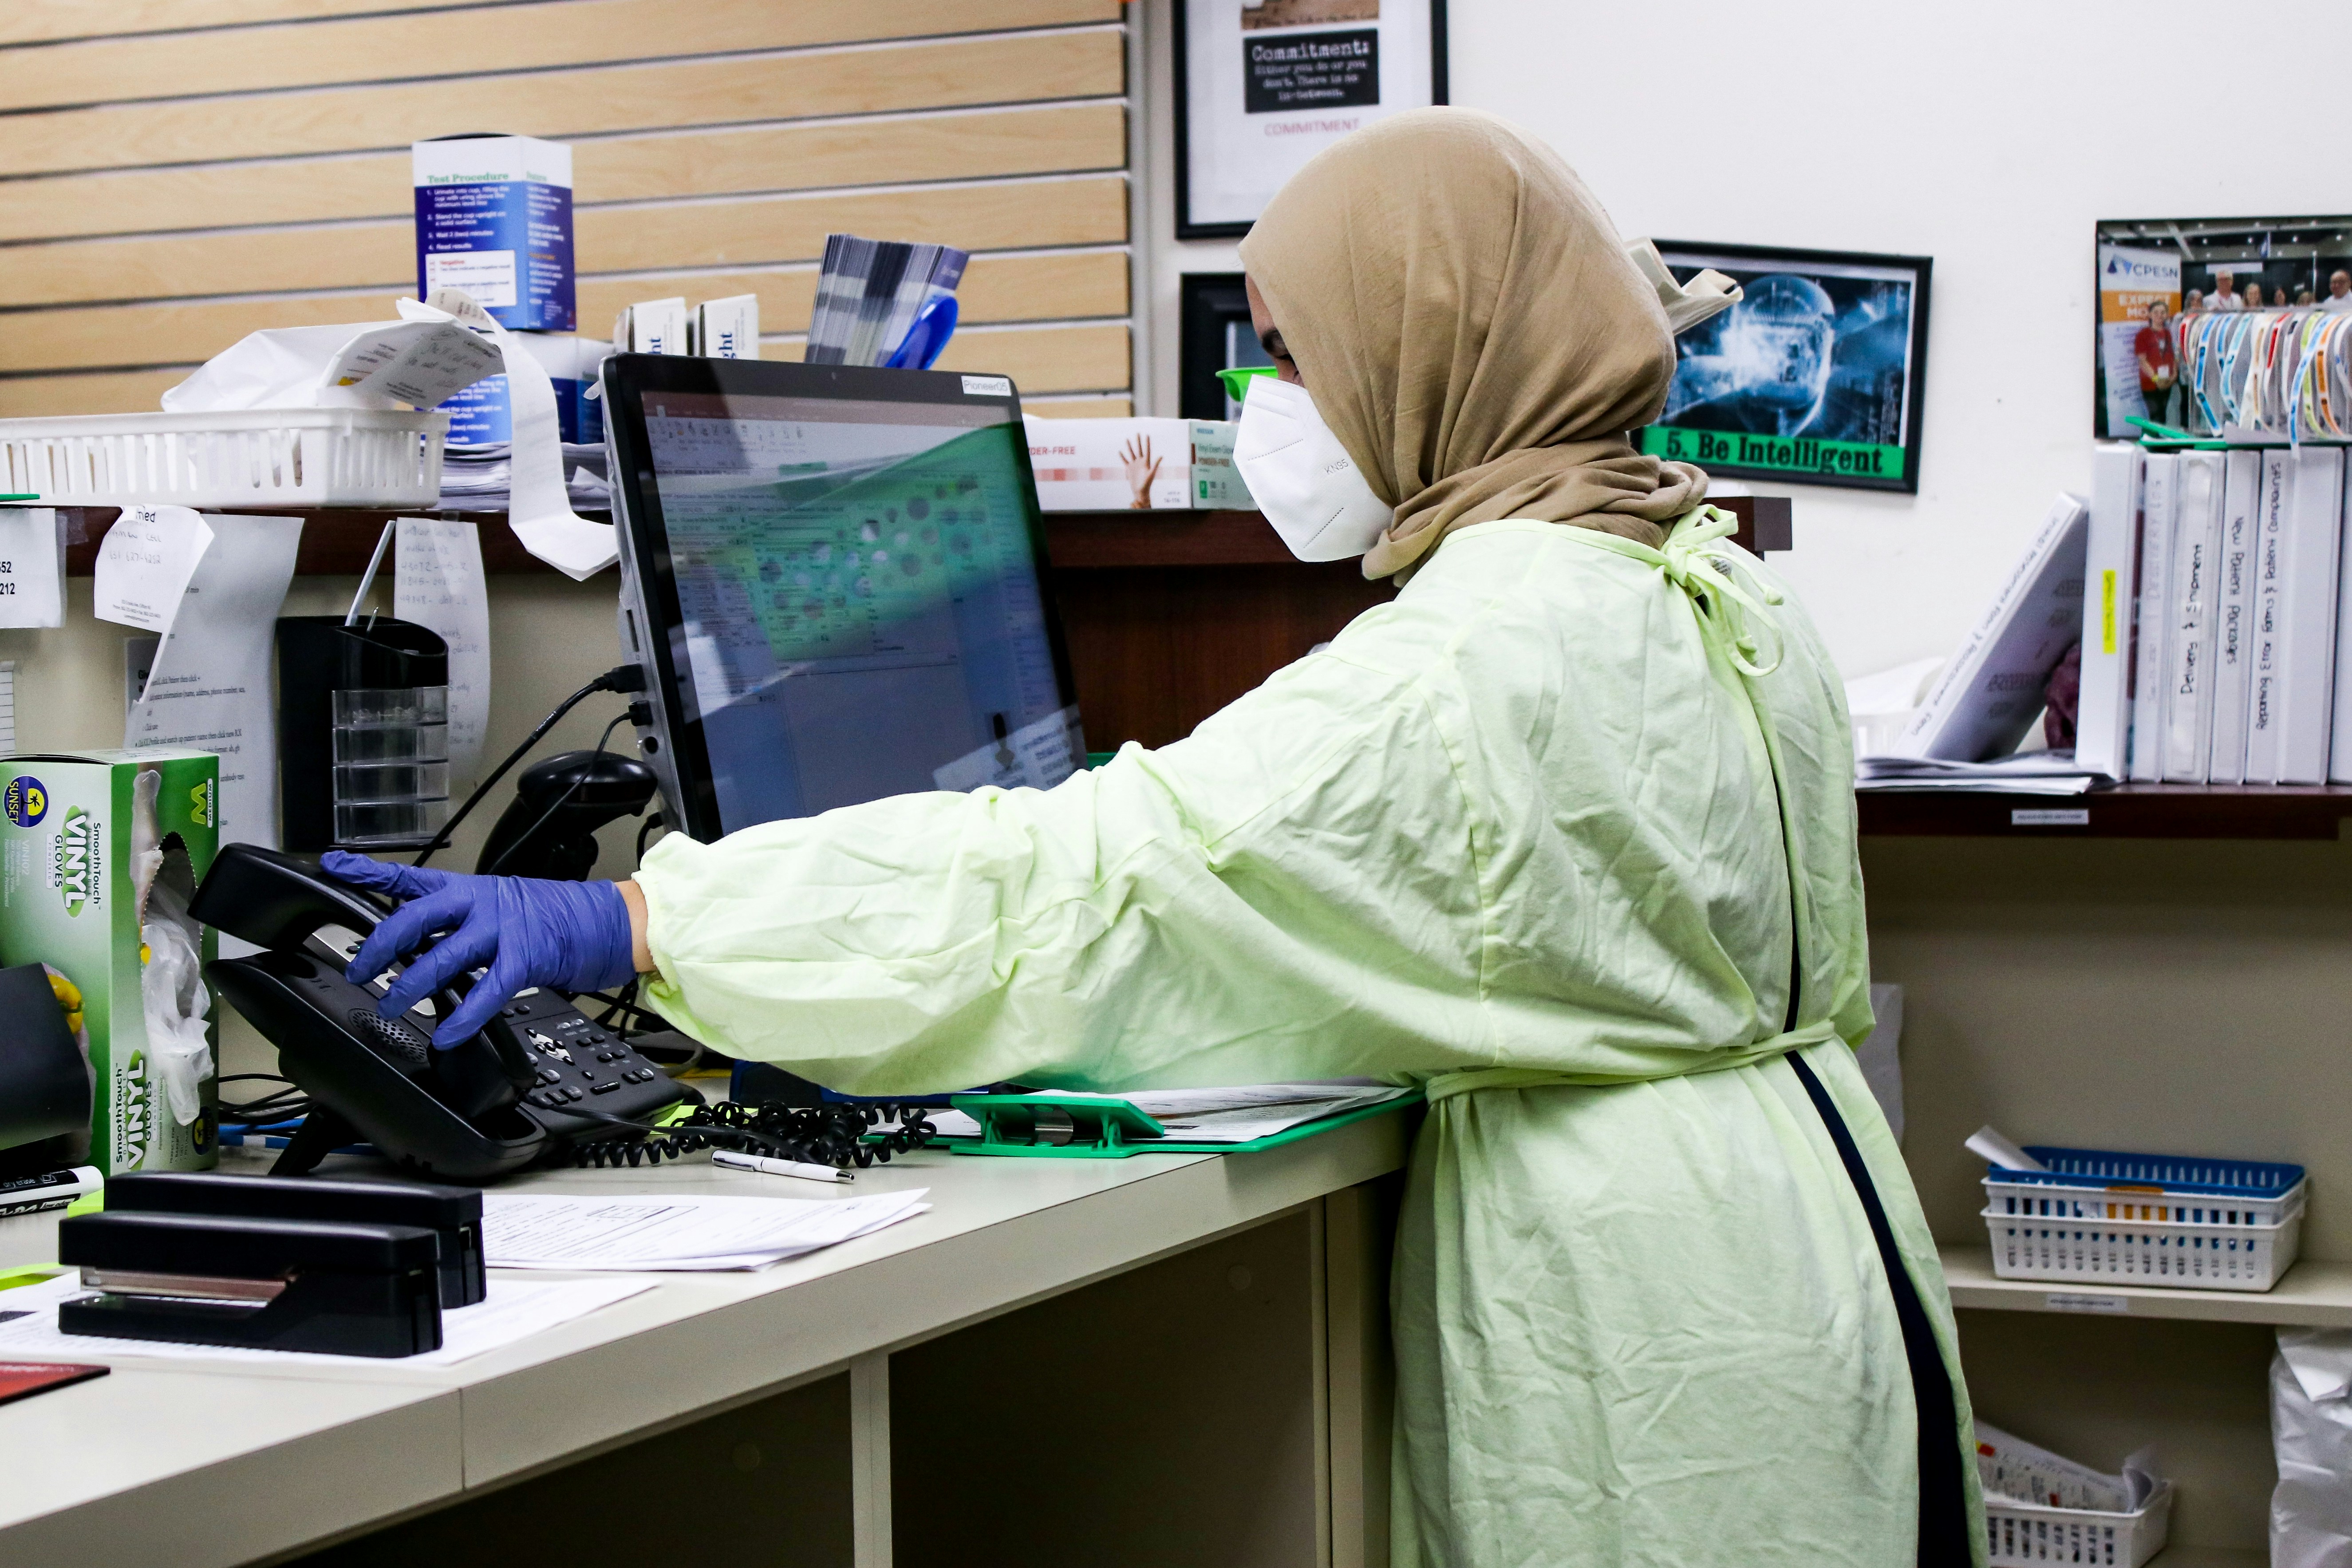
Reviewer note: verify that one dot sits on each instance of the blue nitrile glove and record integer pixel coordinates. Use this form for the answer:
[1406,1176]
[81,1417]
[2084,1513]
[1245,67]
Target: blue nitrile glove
[528,931]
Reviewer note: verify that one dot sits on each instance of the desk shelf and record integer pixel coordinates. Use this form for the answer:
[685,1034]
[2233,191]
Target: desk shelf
[2127,810]
[2314,1294]
[337,540]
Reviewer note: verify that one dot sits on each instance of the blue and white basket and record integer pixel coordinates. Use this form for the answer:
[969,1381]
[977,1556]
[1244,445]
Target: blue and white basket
[2146,1219]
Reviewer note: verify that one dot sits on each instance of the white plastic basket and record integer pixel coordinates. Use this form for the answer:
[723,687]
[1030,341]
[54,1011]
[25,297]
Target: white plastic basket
[2181,1254]
[2175,1220]
[2029,1533]
[262,456]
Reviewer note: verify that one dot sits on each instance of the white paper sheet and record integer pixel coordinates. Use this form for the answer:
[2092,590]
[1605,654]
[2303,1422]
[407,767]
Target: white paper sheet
[32,568]
[539,507]
[207,683]
[353,365]
[535,1230]
[513,1311]
[438,582]
[144,563]
[1238,1115]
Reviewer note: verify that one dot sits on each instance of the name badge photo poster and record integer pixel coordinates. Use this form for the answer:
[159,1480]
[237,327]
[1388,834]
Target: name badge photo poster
[1262,86]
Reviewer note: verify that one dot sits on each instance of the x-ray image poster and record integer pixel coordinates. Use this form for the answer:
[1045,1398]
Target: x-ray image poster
[1262,86]
[1813,377]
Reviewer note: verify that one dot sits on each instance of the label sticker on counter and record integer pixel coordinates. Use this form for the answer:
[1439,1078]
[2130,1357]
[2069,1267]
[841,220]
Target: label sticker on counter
[988,387]
[2072,816]
[2073,1301]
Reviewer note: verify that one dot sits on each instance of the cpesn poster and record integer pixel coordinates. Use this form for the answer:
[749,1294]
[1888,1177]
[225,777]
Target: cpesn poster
[2139,294]
[1262,86]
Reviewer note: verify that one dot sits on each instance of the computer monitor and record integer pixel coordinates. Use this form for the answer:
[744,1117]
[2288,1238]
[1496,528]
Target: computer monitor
[832,576]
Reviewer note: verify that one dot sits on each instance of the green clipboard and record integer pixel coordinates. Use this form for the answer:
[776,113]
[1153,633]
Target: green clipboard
[1089,1129]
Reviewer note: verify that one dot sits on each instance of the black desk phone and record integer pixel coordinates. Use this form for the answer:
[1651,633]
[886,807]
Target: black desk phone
[540,1079]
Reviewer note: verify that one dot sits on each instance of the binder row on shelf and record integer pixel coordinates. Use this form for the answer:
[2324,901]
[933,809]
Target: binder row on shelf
[2212,629]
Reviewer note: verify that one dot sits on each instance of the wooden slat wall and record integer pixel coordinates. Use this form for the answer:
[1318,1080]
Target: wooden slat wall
[175,173]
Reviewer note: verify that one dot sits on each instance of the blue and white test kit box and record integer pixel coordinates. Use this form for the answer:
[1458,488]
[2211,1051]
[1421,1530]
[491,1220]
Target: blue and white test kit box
[478,414]
[494,218]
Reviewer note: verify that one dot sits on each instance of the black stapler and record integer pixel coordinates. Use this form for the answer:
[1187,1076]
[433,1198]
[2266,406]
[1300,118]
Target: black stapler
[343,1288]
[452,1214]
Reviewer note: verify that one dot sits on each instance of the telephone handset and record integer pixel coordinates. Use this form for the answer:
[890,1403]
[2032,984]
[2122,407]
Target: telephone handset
[540,1077]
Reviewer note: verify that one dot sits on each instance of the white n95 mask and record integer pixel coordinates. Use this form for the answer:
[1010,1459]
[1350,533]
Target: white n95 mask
[1301,478]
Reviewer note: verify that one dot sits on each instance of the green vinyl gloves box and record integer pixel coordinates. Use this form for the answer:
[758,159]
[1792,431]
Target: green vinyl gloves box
[99,855]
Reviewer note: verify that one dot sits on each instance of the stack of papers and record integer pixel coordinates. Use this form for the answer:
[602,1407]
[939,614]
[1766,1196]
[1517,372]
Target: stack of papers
[535,1230]
[514,1310]
[2027,772]
[480,479]
[1237,1115]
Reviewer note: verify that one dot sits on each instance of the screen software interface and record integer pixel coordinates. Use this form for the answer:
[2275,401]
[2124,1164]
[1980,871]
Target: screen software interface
[859,609]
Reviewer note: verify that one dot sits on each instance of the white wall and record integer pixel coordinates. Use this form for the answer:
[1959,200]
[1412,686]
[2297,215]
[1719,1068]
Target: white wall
[1989,137]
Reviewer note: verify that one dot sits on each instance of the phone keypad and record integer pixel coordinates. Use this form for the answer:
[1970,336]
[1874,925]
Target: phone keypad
[574,1058]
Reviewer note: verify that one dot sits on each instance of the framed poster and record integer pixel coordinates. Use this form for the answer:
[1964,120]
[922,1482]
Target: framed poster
[1814,377]
[1262,86]
[2153,271]
[1213,334]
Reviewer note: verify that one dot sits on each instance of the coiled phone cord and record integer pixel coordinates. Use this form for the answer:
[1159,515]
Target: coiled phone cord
[833,1135]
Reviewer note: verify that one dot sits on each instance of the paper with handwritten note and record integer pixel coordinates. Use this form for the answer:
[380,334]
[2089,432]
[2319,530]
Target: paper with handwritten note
[438,582]
[144,563]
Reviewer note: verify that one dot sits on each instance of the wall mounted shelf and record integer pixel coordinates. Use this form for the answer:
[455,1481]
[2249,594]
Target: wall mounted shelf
[337,540]
[2315,1294]
[2127,810]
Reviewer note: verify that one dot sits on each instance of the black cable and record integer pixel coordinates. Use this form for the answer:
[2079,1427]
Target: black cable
[831,1134]
[558,803]
[279,1105]
[652,821]
[620,678]
[625,1002]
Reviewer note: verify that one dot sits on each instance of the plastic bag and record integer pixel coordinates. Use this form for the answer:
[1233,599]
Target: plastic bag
[2311,1427]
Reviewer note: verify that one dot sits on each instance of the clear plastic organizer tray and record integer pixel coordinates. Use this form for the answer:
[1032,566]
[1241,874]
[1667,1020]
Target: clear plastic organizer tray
[263,457]
[2018,1534]
[2177,1221]
[390,824]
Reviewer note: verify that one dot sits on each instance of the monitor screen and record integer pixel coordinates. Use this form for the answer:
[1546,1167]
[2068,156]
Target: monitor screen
[853,605]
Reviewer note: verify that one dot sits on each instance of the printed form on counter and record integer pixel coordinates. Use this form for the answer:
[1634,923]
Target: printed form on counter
[545,1230]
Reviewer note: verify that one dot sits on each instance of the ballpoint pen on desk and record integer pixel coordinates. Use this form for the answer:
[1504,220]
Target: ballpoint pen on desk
[730,1160]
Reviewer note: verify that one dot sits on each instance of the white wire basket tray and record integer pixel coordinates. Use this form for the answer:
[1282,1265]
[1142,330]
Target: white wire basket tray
[249,458]
[2027,1536]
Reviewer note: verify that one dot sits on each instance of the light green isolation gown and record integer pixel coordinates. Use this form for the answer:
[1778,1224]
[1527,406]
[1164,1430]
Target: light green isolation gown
[1514,836]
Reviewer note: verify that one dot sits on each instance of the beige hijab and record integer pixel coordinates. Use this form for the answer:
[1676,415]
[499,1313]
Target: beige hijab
[1471,328]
